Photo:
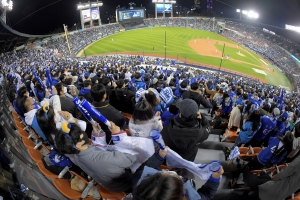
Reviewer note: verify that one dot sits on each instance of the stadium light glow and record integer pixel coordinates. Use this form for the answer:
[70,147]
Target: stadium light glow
[164,1]
[7,5]
[238,10]
[245,12]
[292,28]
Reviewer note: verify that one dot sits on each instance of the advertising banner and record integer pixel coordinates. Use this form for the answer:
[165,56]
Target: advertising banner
[95,13]
[86,15]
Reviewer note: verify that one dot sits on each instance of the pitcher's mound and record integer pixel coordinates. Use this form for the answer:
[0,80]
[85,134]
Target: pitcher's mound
[240,54]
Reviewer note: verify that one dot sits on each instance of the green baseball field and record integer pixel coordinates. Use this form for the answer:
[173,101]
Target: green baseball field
[190,46]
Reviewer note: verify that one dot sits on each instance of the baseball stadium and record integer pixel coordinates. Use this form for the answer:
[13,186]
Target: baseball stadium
[171,100]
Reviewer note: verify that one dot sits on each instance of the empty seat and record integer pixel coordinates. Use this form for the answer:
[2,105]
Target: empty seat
[45,171]
[35,155]
[28,143]
[23,133]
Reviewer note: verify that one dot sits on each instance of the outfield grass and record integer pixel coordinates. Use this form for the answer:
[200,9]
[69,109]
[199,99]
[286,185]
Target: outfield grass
[143,40]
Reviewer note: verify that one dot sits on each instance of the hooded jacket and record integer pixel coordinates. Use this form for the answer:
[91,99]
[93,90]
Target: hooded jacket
[198,98]
[143,128]
[184,138]
[125,98]
[283,184]
[86,93]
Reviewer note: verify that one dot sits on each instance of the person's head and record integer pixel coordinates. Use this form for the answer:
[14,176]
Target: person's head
[120,83]
[297,130]
[12,95]
[142,112]
[160,186]
[188,109]
[138,75]
[195,86]
[98,92]
[69,81]
[87,84]
[106,81]
[254,117]
[276,112]
[45,118]
[62,78]
[22,91]
[71,139]
[60,89]
[30,104]
[152,99]
[183,84]
[173,108]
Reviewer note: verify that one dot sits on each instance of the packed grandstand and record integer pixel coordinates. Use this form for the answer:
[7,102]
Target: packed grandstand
[96,126]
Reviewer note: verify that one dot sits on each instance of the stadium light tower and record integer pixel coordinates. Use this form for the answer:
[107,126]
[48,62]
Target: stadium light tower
[163,2]
[89,11]
[251,14]
[5,5]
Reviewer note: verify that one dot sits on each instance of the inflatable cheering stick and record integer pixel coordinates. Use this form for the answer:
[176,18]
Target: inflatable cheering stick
[85,113]
[157,138]
[95,112]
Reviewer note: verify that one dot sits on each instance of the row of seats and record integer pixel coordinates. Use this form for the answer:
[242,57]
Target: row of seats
[38,151]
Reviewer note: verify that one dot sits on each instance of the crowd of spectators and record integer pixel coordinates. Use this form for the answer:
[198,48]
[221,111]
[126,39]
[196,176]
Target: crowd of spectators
[82,38]
[151,94]
[139,95]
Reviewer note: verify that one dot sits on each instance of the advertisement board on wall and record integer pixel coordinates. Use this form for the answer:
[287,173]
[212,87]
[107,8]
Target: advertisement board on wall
[86,15]
[95,13]
[167,8]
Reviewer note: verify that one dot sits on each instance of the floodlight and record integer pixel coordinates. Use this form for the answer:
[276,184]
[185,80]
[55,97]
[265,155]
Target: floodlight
[238,10]
[245,12]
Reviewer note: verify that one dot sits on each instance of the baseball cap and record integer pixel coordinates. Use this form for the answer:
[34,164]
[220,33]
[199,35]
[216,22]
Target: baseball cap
[276,112]
[187,107]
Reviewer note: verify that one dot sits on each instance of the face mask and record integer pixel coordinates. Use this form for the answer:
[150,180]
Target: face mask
[35,105]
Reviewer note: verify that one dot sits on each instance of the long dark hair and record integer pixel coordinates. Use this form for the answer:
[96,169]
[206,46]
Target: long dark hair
[152,99]
[255,119]
[160,187]
[47,124]
[66,144]
[143,112]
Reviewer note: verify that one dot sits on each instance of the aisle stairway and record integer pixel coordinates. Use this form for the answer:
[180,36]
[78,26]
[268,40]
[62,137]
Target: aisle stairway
[212,149]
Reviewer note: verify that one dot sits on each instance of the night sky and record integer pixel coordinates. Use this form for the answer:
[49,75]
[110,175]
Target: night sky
[274,12]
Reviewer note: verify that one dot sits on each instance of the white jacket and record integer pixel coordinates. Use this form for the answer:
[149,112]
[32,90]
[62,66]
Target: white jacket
[143,128]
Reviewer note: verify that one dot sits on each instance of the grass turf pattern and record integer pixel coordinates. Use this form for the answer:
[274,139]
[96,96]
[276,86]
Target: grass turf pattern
[143,40]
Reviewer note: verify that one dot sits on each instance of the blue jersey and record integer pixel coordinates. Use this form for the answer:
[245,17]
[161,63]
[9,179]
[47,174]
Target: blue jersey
[266,154]
[279,130]
[139,85]
[268,124]
[227,105]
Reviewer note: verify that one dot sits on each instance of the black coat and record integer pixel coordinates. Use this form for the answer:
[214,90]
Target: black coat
[184,138]
[111,114]
[198,98]
[125,100]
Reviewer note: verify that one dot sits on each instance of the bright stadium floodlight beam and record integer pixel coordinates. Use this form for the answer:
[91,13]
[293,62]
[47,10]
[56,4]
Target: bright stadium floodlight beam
[245,12]
[238,10]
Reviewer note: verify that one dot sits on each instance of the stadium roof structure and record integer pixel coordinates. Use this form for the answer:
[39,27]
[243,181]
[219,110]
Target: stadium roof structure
[10,38]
